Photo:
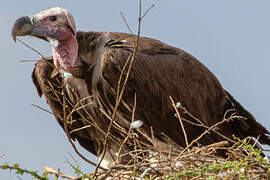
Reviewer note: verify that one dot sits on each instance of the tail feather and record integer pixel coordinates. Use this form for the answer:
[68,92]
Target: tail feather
[249,126]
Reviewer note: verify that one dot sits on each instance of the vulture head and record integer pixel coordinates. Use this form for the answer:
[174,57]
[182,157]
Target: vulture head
[57,26]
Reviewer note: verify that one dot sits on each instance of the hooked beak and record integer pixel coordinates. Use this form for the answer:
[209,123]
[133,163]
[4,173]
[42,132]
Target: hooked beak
[24,26]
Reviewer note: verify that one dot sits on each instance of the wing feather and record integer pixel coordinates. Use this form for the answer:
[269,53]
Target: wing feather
[52,89]
[161,71]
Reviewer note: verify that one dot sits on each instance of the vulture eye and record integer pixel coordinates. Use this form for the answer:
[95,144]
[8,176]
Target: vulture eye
[52,18]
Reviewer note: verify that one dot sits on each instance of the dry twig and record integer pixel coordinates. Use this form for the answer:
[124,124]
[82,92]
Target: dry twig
[48,170]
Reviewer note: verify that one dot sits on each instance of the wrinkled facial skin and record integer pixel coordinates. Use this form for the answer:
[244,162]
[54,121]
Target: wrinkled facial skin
[55,25]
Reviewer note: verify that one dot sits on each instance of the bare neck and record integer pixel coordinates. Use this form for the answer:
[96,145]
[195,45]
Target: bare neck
[65,54]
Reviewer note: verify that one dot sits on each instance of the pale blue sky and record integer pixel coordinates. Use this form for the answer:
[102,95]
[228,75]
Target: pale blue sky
[230,37]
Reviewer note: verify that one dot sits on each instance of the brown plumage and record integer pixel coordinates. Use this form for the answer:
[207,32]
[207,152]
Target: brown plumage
[159,71]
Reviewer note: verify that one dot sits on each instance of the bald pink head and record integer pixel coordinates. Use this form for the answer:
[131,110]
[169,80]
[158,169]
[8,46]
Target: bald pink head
[58,21]
[57,26]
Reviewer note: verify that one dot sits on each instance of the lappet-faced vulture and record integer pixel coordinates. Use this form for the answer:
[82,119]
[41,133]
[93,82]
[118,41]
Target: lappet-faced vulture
[90,64]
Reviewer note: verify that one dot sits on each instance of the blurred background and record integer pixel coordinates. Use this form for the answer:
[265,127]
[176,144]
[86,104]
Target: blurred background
[230,37]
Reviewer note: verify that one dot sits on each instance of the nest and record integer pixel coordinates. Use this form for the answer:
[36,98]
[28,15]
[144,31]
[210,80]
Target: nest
[140,155]
[242,161]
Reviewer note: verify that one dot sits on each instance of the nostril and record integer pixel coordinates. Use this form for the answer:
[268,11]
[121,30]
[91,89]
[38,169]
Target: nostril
[33,19]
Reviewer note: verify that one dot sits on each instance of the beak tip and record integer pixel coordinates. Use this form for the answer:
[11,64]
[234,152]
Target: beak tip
[21,27]
[14,37]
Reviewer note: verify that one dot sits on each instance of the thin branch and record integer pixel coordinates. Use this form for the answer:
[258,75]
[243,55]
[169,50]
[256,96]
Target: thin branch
[48,170]
[191,115]
[81,128]
[207,131]
[26,60]
[16,167]
[130,30]
[41,108]
[180,120]
[30,48]
[206,127]
[148,10]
